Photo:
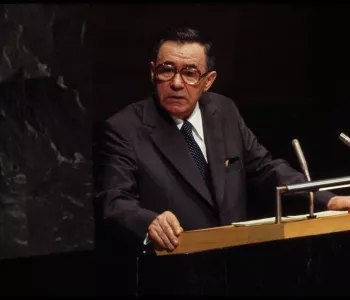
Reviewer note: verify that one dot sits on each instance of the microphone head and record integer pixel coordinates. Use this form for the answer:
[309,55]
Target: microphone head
[295,143]
[345,139]
[301,158]
[298,150]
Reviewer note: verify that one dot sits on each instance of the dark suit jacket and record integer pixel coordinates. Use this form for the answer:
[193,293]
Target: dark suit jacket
[144,168]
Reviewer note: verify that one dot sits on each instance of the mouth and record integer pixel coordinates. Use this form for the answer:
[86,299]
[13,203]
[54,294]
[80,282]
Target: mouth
[176,97]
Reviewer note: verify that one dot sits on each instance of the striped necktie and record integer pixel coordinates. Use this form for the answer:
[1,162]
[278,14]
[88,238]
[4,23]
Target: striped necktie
[196,152]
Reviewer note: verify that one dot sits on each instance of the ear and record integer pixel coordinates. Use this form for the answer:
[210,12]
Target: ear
[152,69]
[209,80]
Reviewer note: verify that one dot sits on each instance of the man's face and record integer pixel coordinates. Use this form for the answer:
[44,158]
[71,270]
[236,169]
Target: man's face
[176,96]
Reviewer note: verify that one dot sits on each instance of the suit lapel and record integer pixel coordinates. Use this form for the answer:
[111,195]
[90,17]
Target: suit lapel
[170,142]
[214,140]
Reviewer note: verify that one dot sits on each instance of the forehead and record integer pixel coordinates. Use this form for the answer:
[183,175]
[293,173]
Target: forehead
[181,54]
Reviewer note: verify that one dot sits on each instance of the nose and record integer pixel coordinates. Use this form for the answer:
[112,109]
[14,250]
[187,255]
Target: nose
[177,83]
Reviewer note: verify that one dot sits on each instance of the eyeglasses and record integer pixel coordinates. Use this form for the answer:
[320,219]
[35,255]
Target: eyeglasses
[189,75]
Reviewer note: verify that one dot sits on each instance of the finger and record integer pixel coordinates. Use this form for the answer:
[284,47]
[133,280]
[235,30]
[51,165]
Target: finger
[155,237]
[174,223]
[159,240]
[346,202]
[333,203]
[169,232]
[164,236]
[159,233]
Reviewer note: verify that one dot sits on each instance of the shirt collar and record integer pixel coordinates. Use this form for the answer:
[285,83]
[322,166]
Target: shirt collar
[195,119]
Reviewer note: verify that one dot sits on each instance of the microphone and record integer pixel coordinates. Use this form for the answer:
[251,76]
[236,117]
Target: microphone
[301,158]
[345,139]
[305,169]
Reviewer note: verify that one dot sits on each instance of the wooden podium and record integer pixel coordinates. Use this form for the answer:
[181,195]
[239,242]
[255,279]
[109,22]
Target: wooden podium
[299,258]
[228,236]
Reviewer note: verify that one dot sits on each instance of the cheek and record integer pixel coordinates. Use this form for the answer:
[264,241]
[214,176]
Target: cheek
[161,89]
[194,94]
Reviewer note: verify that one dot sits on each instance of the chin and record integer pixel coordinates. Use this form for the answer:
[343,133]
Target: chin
[180,113]
[176,109]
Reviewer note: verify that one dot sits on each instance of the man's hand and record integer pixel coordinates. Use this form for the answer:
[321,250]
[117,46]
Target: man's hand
[339,203]
[164,231]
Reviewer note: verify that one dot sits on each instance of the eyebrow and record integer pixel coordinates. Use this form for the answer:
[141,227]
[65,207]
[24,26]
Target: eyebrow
[191,66]
[185,66]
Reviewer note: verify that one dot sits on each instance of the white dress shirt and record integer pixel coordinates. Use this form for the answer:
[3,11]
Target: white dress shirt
[197,128]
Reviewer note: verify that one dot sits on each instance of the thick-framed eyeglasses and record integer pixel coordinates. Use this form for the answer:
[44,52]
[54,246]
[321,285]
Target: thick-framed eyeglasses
[189,75]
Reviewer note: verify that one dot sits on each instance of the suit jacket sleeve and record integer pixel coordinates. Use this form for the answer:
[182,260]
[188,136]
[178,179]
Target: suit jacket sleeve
[262,168]
[117,199]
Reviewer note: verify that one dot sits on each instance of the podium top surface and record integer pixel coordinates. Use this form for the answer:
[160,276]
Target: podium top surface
[229,236]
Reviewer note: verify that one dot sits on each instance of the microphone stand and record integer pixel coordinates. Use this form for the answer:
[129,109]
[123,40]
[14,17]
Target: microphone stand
[311,207]
[311,186]
[305,169]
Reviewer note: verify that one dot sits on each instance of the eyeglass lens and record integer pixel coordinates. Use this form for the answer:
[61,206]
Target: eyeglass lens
[167,72]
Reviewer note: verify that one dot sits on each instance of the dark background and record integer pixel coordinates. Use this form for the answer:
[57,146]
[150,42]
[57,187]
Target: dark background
[64,68]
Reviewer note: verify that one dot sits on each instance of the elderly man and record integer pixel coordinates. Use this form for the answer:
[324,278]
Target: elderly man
[182,158]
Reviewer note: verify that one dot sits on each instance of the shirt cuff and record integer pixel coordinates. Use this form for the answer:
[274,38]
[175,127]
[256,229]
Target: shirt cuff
[147,240]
